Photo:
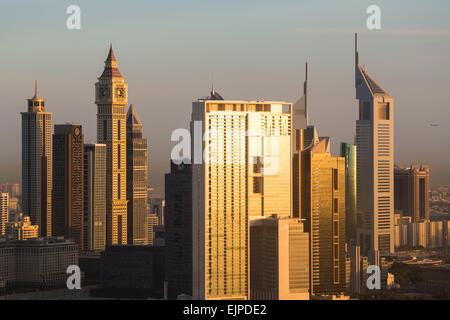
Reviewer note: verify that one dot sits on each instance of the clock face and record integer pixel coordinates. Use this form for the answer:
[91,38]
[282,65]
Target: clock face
[103,92]
[120,93]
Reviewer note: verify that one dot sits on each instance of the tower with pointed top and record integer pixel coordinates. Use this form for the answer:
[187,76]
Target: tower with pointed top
[375,164]
[37,164]
[137,179]
[111,98]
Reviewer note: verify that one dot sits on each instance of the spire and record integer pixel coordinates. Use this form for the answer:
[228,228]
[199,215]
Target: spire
[356,50]
[132,116]
[36,93]
[214,95]
[111,56]
[111,69]
[305,92]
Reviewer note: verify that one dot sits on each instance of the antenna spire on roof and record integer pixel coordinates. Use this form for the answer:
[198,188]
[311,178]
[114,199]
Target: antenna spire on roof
[305,92]
[213,90]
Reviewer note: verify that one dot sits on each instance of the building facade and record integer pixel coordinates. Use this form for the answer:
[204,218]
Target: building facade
[375,165]
[348,151]
[279,259]
[323,207]
[68,181]
[137,179]
[40,263]
[22,229]
[4,212]
[94,197]
[111,98]
[245,173]
[178,227]
[412,192]
[37,164]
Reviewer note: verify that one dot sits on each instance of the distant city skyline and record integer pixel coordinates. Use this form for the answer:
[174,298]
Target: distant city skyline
[167,53]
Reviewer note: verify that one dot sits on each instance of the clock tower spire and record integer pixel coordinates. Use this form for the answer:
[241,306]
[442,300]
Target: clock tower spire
[111,97]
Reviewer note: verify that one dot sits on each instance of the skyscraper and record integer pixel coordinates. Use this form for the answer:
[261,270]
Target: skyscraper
[68,178]
[348,151]
[37,164]
[4,212]
[322,185]
[178,225]
[375,164]
[137,179]
[246,173]
[411,192]
[279,259]
[111,97]
[94,197]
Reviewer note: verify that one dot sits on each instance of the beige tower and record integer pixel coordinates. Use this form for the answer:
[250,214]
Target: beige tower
[111,97]
[37,164]
[245,174]
[4,212]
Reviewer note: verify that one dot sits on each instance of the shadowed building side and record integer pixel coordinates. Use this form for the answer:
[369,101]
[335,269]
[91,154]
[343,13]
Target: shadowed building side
[137,179]
[37,164]
[68,181]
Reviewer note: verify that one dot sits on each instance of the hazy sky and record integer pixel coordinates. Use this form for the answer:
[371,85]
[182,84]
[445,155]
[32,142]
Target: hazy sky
[168,49]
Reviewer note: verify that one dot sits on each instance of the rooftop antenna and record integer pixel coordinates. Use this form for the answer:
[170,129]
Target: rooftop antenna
[356,49]
[305,92]
[213,90]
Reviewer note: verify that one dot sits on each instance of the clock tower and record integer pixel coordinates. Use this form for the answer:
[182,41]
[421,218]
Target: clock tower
[111,98]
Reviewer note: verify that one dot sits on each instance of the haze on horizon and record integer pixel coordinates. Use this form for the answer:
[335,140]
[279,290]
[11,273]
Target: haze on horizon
[167,50]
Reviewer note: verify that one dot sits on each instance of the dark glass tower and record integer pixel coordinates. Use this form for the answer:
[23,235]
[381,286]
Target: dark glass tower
[68,182]
[178,225]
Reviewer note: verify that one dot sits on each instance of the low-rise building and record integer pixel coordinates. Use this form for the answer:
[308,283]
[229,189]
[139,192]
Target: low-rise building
[40,262]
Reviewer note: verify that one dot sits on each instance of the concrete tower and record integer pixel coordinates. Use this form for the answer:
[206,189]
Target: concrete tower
[37,164]
[375,164]
[111,97]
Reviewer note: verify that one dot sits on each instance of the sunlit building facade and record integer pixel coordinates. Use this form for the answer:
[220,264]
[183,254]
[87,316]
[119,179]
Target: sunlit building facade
[22,229]
[137,179]
[246,173]
[94,197]
[4,212]
[279,259]
[111,97]
[375,165]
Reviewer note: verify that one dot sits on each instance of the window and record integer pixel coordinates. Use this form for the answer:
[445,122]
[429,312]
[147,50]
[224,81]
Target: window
[118,156]
[365,111]
[257,184]
[105,130]
[335,179]
[118,186]
[335,205]
[118,130]
[383,111]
